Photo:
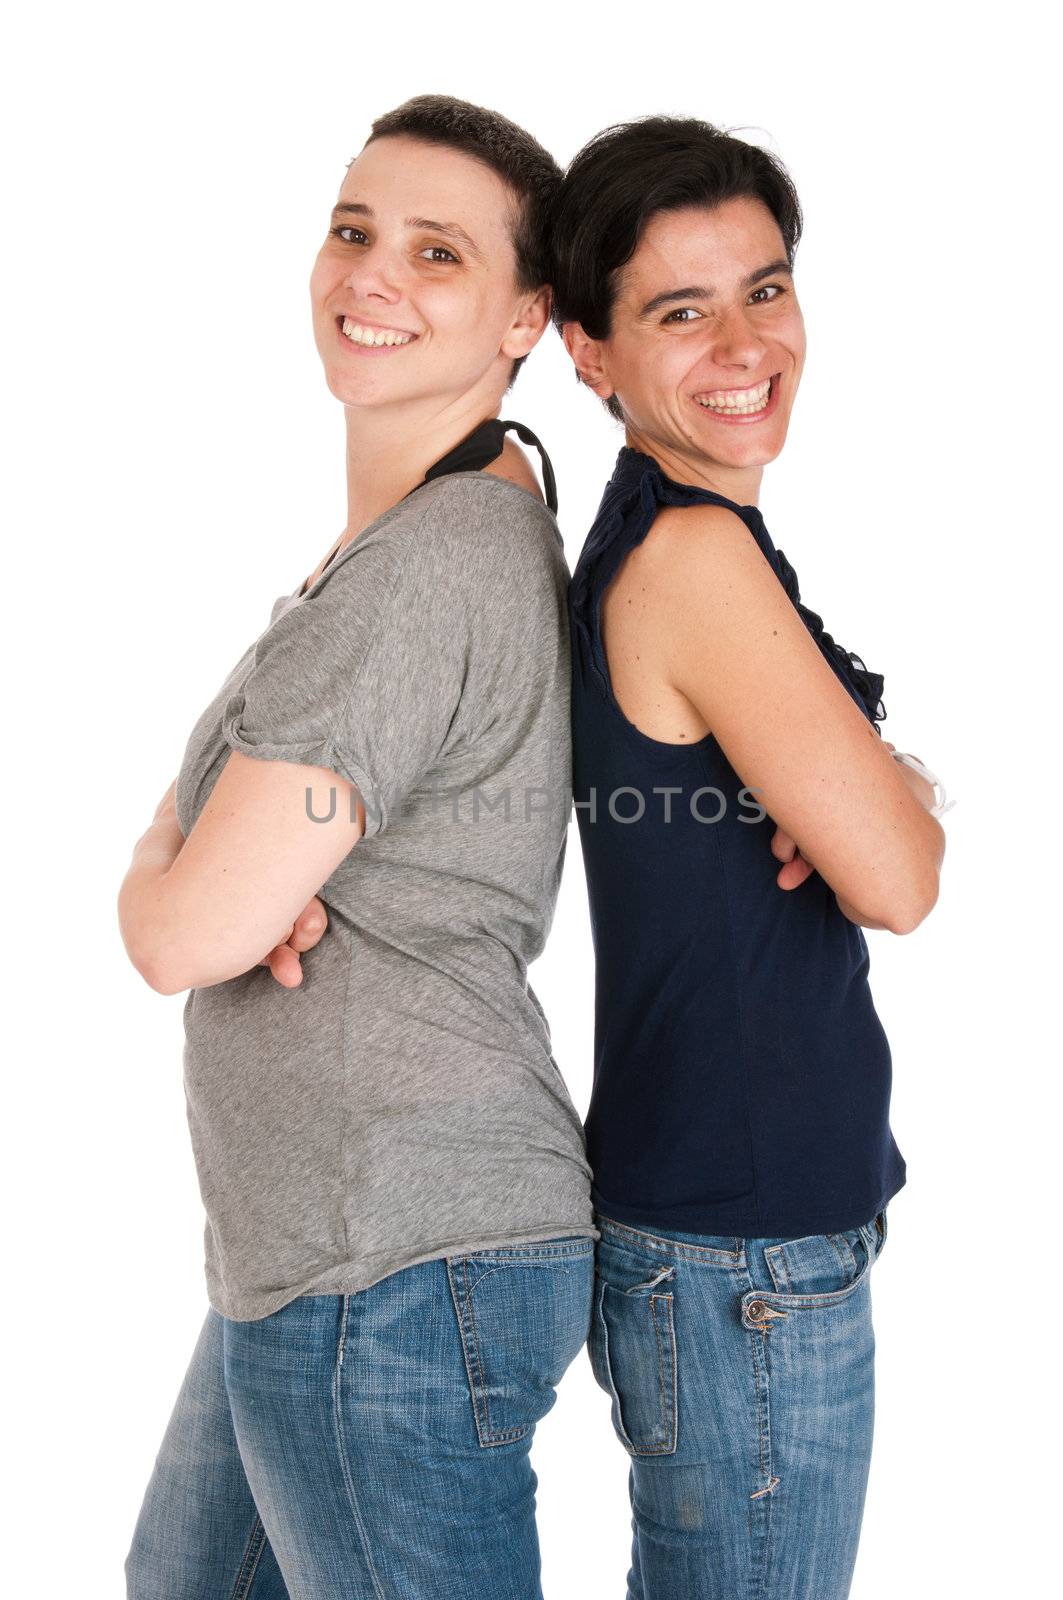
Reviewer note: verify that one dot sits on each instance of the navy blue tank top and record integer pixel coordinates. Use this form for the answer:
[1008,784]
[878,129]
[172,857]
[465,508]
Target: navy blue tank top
[741,1073]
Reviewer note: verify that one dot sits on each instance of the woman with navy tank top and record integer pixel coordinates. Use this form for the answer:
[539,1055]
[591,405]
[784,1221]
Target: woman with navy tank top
[742,821]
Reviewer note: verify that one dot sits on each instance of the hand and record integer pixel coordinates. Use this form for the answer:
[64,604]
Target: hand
[283,961]
[796,868]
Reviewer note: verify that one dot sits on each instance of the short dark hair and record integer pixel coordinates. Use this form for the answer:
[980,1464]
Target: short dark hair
[629,173]
[509,150]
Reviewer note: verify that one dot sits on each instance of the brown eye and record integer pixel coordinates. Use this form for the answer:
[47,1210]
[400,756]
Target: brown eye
[682,314]
[341,229]
[437,250]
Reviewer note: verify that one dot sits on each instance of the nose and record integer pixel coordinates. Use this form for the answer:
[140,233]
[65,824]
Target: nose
[375,275]
[736,342]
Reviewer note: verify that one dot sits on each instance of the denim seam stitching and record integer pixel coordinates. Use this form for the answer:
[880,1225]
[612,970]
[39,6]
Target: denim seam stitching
[760,1372]
[821,1301]
[696,1252]
[666,1351]
[456,1265]
[474,1332]
[763,1496]
[776,1259]
[471,1350]
[470,1343]
[508,1264]
[249,1564]
[345,1466]
[516,1253]
[669,1427]
[607,1362]
[837,1240]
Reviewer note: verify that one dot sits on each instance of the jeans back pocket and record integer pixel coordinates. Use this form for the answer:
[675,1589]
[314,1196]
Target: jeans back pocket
[522,1316]
[632,1348]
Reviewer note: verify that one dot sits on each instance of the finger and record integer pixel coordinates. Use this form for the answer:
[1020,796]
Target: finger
[794,873]
[309,926]
[285,966]
[783,847]
[267,959]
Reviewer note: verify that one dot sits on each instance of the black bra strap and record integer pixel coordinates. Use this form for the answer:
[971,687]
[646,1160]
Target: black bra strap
[483,445]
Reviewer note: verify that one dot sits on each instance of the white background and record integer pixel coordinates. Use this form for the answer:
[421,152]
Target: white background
[175,462]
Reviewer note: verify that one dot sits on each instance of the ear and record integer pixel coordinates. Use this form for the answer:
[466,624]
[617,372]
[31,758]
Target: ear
[529,324]
[586,356]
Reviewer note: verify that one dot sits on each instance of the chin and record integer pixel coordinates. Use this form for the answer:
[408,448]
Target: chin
[749,452]
[352,393]
[759,456]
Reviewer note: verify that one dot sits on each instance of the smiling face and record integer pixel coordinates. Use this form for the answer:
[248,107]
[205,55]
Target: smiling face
[706,346]
[414,292]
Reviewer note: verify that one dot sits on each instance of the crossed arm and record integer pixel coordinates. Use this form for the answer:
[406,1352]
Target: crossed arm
[241,890]
[743,658]
[796,869]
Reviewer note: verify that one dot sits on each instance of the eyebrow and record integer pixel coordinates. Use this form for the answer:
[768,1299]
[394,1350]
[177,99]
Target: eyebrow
[697,292]
[450,230]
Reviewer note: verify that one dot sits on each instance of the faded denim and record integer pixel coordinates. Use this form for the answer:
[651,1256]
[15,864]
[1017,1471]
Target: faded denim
[350,1447]
[741,1374]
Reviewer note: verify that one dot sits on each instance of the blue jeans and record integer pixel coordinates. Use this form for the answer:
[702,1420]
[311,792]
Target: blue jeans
[368,1445]
[741,1373]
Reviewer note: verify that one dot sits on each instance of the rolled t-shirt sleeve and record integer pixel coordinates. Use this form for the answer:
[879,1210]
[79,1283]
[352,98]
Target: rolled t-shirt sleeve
[363,675]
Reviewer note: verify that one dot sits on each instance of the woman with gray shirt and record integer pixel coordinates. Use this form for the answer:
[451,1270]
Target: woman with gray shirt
[399,1236]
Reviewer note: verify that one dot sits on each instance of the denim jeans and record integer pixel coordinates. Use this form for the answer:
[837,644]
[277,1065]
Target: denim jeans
[741,1373]
[371,1444]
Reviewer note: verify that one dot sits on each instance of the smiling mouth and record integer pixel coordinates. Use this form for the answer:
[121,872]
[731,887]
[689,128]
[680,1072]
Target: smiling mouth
[739,402]
[374,338]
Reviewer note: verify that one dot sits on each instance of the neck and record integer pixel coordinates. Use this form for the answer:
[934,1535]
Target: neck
[390,448]
[740,484]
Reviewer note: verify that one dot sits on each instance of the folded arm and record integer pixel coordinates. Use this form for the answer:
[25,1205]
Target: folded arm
[740,653]
[201,910]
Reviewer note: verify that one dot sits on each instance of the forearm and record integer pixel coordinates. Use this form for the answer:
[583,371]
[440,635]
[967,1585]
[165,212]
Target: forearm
[923,791]
[142,897]
[853,915]
[925,794]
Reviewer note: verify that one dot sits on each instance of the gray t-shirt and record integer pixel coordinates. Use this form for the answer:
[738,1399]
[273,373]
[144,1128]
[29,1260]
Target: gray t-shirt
[402,1103]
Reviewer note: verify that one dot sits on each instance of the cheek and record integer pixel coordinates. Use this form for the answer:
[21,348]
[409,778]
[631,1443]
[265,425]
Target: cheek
[672,366]
[797,352]
[323,280]
[471,319]
[795,338]
[648,371]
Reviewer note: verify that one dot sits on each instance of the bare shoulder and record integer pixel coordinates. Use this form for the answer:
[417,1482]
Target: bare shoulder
[700,565]
[700,541]
[514,465]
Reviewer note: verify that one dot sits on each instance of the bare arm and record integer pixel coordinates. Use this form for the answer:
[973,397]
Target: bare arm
[200,911]
[740,653]
[795,868]
[924,793]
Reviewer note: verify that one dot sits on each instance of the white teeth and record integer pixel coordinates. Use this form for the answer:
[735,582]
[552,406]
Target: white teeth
[374,336]
[736,402]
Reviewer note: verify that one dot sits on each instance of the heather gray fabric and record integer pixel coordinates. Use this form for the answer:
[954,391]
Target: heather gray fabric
[403,1103]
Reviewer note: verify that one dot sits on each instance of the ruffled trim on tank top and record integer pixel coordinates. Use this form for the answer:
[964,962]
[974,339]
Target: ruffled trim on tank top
[868,684]
[637,478]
